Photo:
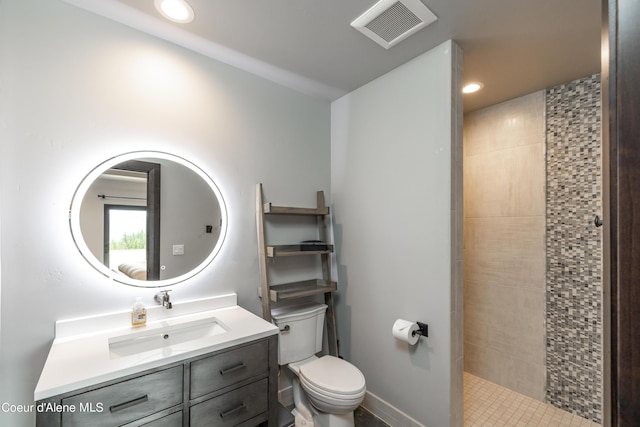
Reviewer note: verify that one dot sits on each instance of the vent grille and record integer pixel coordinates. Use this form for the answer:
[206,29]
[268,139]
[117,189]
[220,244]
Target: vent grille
[393,22]
[390,21]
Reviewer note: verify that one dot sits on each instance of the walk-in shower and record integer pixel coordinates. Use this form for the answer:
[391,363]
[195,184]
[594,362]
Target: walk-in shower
[532,253]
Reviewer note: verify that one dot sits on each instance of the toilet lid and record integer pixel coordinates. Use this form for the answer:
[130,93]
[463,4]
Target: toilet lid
[333,375]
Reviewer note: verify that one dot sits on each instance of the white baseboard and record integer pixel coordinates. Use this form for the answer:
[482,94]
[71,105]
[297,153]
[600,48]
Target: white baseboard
[388,413]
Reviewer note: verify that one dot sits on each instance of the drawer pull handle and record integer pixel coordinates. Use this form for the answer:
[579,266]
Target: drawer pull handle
[240,407]
[129,404]
[240,365]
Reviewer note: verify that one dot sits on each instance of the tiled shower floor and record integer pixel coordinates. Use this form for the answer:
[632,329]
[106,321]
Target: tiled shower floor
[490,405]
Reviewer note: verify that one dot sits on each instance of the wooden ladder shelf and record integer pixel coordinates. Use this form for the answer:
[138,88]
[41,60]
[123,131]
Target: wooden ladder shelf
[270,292]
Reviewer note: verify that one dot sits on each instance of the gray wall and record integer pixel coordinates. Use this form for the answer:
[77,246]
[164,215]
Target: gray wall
[77,89]
[396,190]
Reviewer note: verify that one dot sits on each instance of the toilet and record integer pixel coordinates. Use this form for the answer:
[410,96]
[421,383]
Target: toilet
[326,389]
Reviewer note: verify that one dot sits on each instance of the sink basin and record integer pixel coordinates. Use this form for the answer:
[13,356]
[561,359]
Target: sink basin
[164,337]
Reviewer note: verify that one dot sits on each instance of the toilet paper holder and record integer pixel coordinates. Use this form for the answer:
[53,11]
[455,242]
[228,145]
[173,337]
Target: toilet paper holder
[423,330]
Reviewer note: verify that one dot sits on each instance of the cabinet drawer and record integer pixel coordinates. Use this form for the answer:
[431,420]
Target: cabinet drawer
[172,420]
[225,369]
[231,408]
[126,401]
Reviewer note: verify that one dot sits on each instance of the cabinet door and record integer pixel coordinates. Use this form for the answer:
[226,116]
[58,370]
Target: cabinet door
[231,408]
[225,369]
[126,401]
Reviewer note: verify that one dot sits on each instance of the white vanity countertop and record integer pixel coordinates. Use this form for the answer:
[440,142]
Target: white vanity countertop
[84,359]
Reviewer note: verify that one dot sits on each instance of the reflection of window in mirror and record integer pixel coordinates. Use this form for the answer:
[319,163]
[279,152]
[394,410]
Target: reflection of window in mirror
[125,239]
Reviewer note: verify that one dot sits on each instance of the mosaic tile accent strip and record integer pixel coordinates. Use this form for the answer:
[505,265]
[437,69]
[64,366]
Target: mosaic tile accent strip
[574,248]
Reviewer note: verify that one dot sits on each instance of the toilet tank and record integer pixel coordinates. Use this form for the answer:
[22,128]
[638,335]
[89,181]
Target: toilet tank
[301,328]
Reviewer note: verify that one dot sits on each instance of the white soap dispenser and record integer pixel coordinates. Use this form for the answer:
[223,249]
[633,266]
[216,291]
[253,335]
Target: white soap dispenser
[138,314]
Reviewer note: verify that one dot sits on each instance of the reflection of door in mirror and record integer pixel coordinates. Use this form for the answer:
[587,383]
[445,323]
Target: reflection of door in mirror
[131,183]
[152,171]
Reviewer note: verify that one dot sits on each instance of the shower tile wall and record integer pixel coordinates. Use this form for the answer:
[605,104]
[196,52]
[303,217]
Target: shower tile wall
[574,248]
[532,257]
[504,258]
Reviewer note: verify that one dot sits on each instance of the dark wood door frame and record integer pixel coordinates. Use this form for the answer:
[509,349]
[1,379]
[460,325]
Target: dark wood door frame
[621,172]
[153,171]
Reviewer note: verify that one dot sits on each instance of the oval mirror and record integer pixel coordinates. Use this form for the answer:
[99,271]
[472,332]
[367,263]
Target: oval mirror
[148,219]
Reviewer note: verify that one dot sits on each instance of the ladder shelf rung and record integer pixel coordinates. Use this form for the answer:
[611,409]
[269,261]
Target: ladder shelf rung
[269,209]
[294,250]
[301,289]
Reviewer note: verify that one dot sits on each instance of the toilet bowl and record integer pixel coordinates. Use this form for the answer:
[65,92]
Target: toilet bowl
[326,389]
[332,385]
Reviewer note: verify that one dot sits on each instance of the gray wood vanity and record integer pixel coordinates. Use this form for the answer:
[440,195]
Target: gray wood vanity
[231,387]
[229,379]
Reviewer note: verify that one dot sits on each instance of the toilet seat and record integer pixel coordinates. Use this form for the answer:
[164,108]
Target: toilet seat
[333,377]
[332,403]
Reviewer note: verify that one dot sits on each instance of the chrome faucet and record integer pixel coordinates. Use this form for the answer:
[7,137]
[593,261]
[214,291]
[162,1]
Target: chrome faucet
[163,299]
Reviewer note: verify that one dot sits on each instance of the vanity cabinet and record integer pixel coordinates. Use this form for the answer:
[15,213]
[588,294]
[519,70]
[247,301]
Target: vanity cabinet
[236,386]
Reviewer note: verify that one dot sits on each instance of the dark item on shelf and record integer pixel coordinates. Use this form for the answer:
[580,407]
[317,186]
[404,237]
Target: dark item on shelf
[313,245]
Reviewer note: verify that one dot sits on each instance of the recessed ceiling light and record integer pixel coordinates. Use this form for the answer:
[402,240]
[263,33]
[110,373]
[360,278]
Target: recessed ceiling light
[472,87]
[175,10]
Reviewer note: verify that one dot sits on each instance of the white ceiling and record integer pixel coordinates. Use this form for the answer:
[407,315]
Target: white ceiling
[514,47]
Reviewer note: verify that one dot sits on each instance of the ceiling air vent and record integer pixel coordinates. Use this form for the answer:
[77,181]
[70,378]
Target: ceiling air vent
[390,21]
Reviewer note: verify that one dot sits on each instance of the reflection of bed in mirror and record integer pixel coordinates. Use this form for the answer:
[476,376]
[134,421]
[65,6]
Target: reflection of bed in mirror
[135,271]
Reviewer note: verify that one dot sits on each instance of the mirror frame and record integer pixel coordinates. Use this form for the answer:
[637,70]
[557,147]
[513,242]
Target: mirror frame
[87,181]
